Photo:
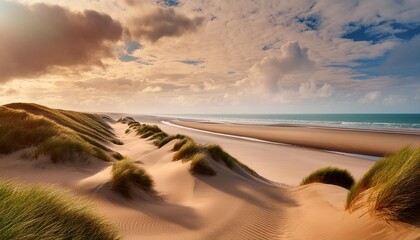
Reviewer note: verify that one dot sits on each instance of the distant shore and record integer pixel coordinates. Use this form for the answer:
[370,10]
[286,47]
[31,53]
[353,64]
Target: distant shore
[378,142]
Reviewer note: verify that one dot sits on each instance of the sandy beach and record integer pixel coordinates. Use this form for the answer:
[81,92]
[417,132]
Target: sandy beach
[209,120]
[359,141]
[230,205]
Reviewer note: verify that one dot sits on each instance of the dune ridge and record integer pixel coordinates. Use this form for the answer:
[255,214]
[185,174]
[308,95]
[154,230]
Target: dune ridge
[233,204]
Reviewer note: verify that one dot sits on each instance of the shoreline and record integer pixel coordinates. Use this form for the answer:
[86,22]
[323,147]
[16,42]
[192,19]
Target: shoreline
[298,123]
[368,157]
[353,141]
[281,163]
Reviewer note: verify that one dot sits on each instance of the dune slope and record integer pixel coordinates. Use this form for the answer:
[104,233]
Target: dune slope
[232,204]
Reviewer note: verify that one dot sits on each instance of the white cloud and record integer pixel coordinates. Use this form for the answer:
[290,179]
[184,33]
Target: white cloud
[394,100]
[151,89]
[310,90]
[370,97]
[274,73]
[276,57]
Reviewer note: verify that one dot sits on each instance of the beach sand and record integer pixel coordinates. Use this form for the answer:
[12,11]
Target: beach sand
[228,205]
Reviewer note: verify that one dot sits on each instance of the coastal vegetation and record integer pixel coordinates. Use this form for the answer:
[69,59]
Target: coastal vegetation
[391,187]
[20,129]
[200,165]
[34,212]
[186,149]
[126,175]
[330,175]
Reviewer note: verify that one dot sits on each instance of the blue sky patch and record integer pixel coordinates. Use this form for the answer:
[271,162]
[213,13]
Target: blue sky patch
[407,32]
[377,67]
[379,32]
[192,62]
[127,58]
[130,47]
[169,3]
[311,22]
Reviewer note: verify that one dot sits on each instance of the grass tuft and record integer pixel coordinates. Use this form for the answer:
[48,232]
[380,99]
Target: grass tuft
[217,153]
[391,187]
[330,175]
[162,142]
[147,134]
[90,127]
[126,120]
[187,151]
[20,129]
[126,174]
[47,213]
[117,142]
[199,165]
[180,143]
[117,156]
[185,148]
[158,136]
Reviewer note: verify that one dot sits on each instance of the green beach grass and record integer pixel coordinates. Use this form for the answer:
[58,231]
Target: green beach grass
[185,153]
[219,154]
[47,213]
[20,129]
[126,175]
[186,150]
[391,188]
[330,175]
[200,165]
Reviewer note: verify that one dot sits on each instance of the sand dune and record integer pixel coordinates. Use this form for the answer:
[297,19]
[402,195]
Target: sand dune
[226,206]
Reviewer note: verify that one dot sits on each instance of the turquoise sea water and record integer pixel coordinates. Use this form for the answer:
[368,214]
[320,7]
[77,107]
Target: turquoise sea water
[407,121]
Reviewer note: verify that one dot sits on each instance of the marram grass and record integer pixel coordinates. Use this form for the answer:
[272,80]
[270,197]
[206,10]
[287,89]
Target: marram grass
[187,150]
[91,127]
[185,153]
[19,130]
[126,175]
[165,140]
[200,165]
[47,213]
[219,154]
[178,145]
[391,188]
[330,175]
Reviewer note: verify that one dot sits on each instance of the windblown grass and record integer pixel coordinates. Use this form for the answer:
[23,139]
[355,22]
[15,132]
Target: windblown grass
[91,127]
[147,129]
[19,130]
[126,174]
[330,175]
[126,120]
[147,134]
[47,213]
[180,143]
[200,165]
[187,151]
[158,136]
[217,153]
[163,141]
[391,187]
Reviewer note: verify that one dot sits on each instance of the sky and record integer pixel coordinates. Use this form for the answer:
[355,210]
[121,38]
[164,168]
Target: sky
[212,56]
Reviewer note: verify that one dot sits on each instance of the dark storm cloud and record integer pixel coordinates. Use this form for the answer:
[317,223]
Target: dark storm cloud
[35,38]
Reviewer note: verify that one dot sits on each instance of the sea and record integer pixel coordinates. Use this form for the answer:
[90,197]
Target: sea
[364,121]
